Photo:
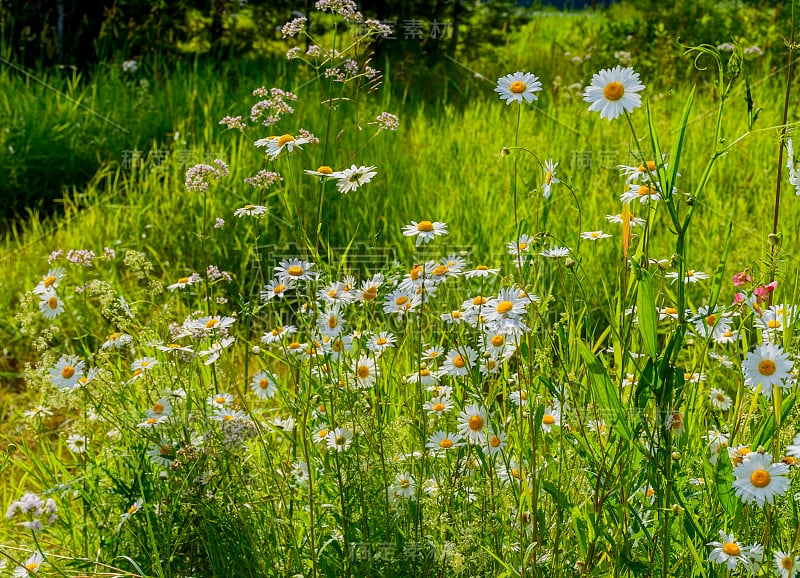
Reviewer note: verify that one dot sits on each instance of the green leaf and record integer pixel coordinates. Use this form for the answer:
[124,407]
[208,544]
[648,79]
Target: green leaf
[647,314]
[605,394]
[718,273]
[767,430]
[723,480]
[677,144]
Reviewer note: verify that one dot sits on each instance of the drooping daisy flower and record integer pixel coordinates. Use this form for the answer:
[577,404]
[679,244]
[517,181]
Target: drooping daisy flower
[117,341]
[441,441]
[549,177]
[594,235]
[759,480]
[481,271]
[618,220]
[250,211]
[518,87]
[731,553]
[161,454]
[323,172]
[137,505]
[472,422]
[67,371]
[152,422]
[555,252]
[642,193]
[339,439]
[613,91]
[425,230]
[691,276]
[766,367]
[350,179]
[786,564]
[212,353]
[276,145]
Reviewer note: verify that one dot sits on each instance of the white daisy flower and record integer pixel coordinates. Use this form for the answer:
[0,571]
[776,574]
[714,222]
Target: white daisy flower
[183,282]
[276,289]
[441,441]
[250,211]
[549,177]
[460,361]
[786,564]
[323,172]
[76,443]
[117,341]
[137,505]
[50,281]
[494,442]
[425,230]
[264,384]
[719,399]
[518,87]
[276,145]
[618,220]
[30,567]
[50,305]
[67,371]
[521,246]
[350,179]
[555,252]
[152,422]
[481,271]
[339,439]
[366,372]
[294,270]
[551,417]
[613,91]
[472,422]
[759,480]
[642,193]
[276,334]
[594,235]
[438,405]
[691,276]
[765,367]
[731,553]
[401,301]
[159,408]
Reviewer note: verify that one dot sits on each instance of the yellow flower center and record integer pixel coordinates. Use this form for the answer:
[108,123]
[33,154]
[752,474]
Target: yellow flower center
[285,139]
[416,271]
[504,307]
[370,294]
[52,303]
[137,373]
[481,268]
[333,322]
[671,311]
[498,340]
[548,419]
[459,362]
[515,472]
[446,443]
[49,281]
[227,418]
[548,177]
[760,478]
[363,371]
[651,166]
[263,384]
[68,372]
[151,421]
[478,301]
[279,289]
[340,441]
[766,367]
[424,372]
[158,408]
[220,400]
[211,323]
[425,226]
[113,336]
[380,341]
[165,450]
[495,442]
[294,345]
[405,484]
[322,433]
[438,407]
[787,563]
[731,549]
[614,90]
[773,324]
[728,333]
[325,170]
[402,300]
[645,190]
[517,87]
[295,271]
[720,398]
[522,246]
[649,493]
[476,423]
[441,270]
[144,363]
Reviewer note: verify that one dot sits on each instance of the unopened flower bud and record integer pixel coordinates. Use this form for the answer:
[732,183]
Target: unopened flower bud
[256,350]
[570,263]
[676,456]
[774,240]
[677,510]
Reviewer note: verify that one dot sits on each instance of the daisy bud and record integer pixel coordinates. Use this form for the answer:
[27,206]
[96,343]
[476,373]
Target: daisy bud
[676,456]
[570,263]
[761,449]
[774,240]
[505,152]
[663,264]
[677,510]
[256,350]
